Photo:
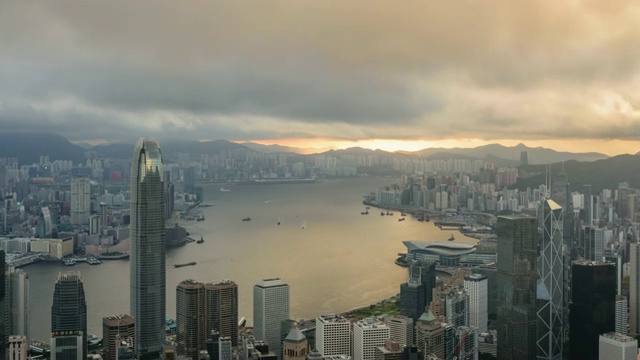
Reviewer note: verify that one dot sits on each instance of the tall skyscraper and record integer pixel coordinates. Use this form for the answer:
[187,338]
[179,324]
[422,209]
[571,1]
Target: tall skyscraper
[634,289]
[190,318]
[69,312]
[551,288]
[516,279]
[270,308]
[222,309]
[477,286]
[368,334]
[333,335]
[19,302]
[592,310]
[147,258]
[80,200]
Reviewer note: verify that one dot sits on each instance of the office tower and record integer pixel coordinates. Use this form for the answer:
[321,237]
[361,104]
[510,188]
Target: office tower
[616,346]
[476,286]
[18,347]
[225,348]
[430,336]
[516,279]
[456,307]
[147,257]
[622,323]
[80,200]
[368,334]
[19,302]
[67,345]
[115,330]
[333,335]
[104,215]
[634,289]
[391,350]
[270,308]
[551,276]
[427,271]
[190,318]
[222,309]
[188,180]
[592,308]
[400,329]
[416,293]
[69,311]
[295,345]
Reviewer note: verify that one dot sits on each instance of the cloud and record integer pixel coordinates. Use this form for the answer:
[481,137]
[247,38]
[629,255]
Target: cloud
[336,70]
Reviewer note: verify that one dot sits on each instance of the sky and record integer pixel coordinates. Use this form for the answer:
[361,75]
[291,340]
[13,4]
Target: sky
[377,74]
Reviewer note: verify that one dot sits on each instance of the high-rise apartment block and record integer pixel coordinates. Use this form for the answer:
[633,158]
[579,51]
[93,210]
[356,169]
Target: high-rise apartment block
[622,314]
[516,279]
[222,309]
[80,200]
[333,335]
[190,318]
[592,310]
[477,288]
[616,346]
[270,308]
[69,315]
[368,334]
[147,257]
[115,331]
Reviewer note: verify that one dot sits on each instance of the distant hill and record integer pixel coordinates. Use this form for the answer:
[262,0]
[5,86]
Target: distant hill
[536,155]
[28,147]
[600,174]
[268,149]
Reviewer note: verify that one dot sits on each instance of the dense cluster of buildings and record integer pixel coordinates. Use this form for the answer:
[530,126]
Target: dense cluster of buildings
[562,282]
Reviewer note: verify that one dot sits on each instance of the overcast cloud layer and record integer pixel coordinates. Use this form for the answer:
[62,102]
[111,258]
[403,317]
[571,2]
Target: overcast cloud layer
[242,70]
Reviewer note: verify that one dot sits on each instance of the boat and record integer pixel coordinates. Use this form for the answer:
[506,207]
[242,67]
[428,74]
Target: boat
[403,214]
[452,238]
[200,241]
[185,264]
[93,261]
[382,213]
[246,219]
[402,261]
[201,218]
[69,262]
[224,189]
[389,213]
[401,219]
[364,212]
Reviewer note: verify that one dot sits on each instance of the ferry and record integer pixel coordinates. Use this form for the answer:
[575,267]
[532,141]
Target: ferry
[246,219]
[200,241]
[185,264]
[401,219]
[223,189]
[93,261]
[69,262]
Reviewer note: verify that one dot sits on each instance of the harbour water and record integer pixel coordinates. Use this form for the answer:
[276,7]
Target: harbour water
[333,258]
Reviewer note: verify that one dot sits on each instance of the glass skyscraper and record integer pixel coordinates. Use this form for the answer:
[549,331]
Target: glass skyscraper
[270,307]
[69,313]
[516,280]
[148,278]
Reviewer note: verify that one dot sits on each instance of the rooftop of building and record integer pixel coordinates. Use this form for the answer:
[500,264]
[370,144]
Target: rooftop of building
[369,323]
[618,336]
[118,320]
[271,283]
[475,277]
[592,263]
[332,318]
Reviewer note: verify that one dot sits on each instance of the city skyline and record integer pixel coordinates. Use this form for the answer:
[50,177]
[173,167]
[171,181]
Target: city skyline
[384,76]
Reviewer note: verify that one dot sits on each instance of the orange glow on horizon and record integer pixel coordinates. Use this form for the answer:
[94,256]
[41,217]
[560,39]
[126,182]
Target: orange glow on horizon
[607,147]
